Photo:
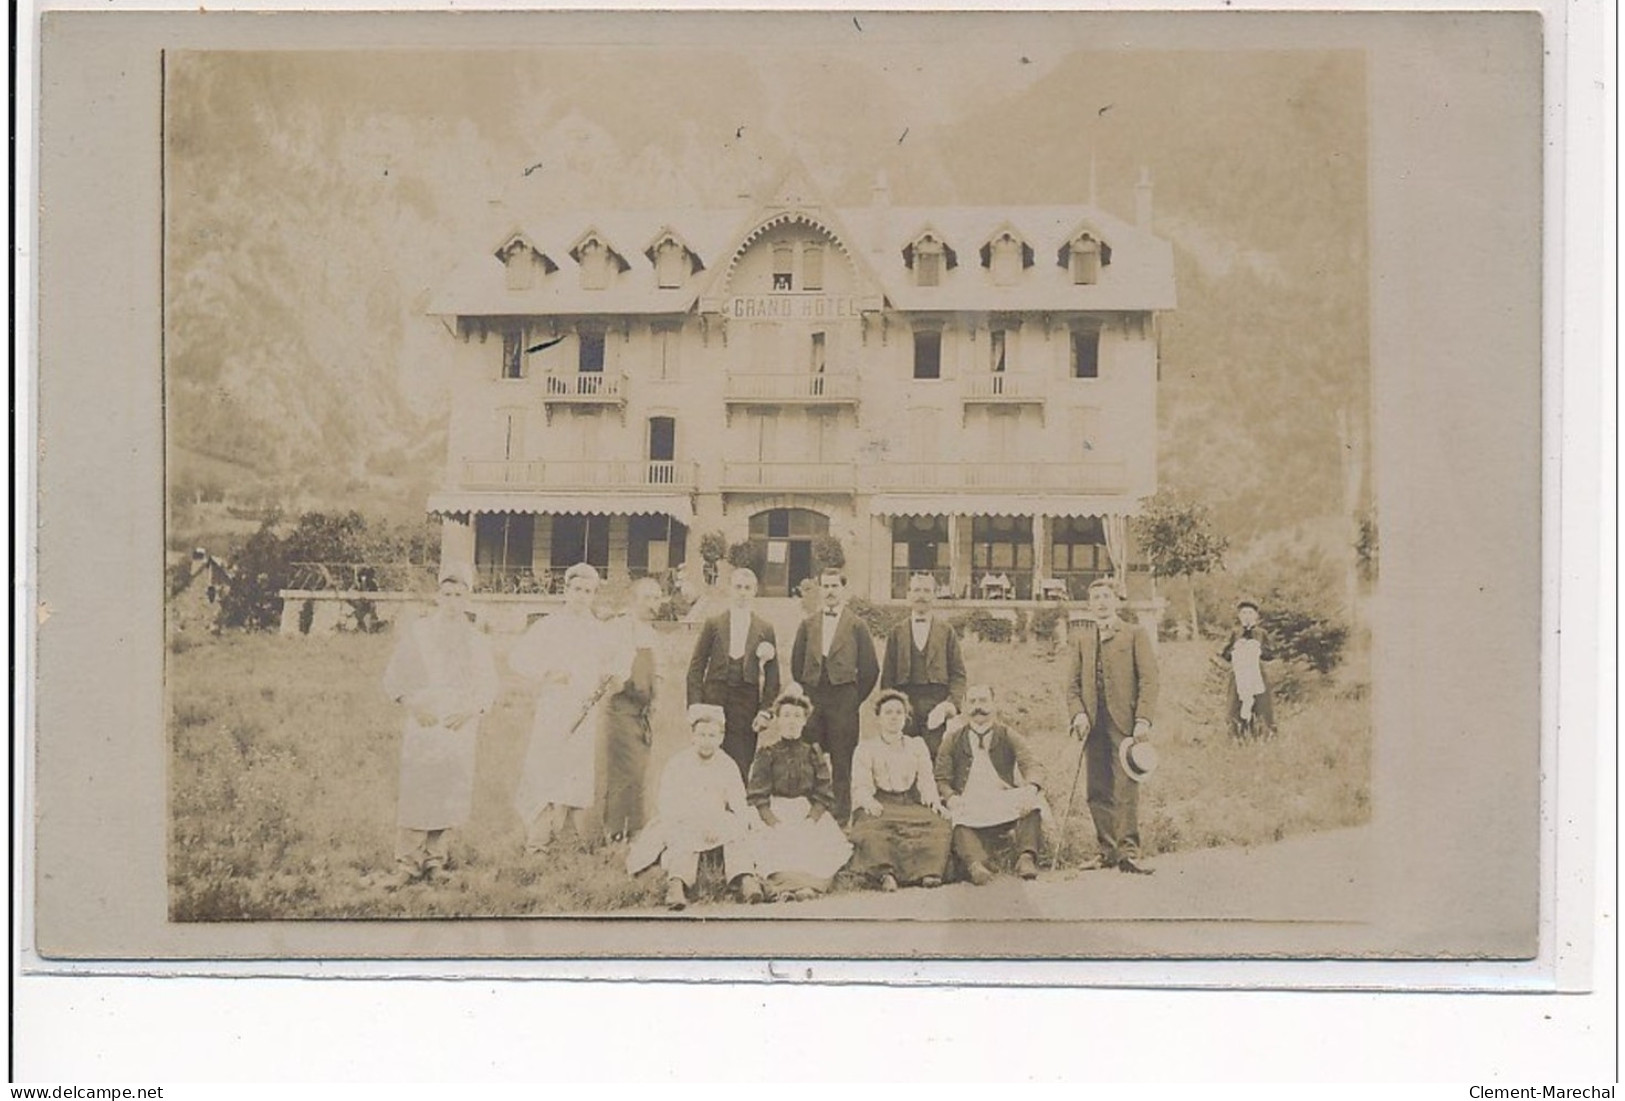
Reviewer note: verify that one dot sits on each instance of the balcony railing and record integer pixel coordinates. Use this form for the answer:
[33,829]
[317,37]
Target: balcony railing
[605,474]
[1004,388]
[1045,477]
[803,388]
[806,477]
[583,388]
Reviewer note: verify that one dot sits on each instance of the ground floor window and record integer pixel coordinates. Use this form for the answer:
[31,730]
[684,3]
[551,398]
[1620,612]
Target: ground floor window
[919,544]
[1001,556]
[655,545]
[1078,552]
[579,539]
[504,547]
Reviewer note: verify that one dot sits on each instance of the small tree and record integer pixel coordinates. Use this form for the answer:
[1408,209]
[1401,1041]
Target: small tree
[827,553]
[1178,539]
[713,546]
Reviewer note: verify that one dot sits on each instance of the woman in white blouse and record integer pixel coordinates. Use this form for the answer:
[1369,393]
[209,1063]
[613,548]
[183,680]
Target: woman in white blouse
[899,825]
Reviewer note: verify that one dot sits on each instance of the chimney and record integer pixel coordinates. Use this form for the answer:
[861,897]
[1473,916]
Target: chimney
[1142,199]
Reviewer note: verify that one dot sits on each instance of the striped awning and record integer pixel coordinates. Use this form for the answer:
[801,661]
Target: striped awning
[679,506]
[1002,504]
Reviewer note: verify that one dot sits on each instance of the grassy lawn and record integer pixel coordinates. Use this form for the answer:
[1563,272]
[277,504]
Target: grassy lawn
[284,757]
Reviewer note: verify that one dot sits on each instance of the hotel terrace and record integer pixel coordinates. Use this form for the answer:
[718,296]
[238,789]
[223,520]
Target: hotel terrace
[966,391]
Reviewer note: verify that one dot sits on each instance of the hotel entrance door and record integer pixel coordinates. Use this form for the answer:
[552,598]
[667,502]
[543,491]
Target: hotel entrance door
[784,539]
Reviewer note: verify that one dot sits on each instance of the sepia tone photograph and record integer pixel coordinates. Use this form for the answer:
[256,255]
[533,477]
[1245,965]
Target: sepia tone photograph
[765,482]
[977,487]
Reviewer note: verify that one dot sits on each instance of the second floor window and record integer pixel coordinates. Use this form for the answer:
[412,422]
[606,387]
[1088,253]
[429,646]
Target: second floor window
[995,347]
[591,357]
[783,261]
[513,353]
[1086,353]
[928,354]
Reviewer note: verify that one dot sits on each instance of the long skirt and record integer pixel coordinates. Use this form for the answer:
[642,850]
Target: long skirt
[798,852]
[908,840]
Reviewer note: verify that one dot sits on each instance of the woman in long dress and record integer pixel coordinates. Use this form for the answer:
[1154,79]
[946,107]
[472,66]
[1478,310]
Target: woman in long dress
[795,840]
[572,662]
[900,828]
[442,671]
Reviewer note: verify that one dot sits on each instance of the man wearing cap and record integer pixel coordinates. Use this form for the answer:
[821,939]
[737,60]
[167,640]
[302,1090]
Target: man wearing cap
[1252,711]
[923,660]
[443,673]
[834,658]
[1112,688]
[736,666]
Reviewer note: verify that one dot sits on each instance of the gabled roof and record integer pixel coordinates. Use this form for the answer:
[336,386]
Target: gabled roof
[665,234]
[591,234]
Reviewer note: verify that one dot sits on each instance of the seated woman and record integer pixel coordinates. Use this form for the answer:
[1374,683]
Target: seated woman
[795,841]
[899,825]
[701,808]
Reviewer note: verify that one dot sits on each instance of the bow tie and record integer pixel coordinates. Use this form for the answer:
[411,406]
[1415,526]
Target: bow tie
[832,615]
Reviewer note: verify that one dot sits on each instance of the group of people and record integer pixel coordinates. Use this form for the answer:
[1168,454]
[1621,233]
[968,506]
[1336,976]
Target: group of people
[775,778]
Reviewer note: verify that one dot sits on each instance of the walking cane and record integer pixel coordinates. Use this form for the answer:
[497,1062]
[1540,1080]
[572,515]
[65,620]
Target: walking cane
[1066,814]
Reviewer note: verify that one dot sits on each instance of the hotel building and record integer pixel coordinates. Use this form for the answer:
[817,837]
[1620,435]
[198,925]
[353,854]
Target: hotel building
[968,391]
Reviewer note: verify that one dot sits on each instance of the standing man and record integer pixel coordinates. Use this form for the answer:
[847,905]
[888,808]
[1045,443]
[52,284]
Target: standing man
[736,667]
[443,674]
[1112,687]
[628,725]
[834,658]
[923,660]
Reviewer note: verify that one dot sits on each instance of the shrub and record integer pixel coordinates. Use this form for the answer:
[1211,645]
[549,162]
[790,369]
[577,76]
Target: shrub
[748,555]
[1299,596]
[986,625]
[1045,623]
[880,619]
[827,553]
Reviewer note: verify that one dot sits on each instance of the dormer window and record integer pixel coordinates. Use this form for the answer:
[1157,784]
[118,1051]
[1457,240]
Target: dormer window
[521,263]
[594,262]
[598,262]
[671,264]
[1084,255]
[929,256]
[1005,256]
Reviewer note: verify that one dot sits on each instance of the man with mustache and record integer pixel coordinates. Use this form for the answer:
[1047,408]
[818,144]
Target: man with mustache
[835,660]
[1112,686]
[923,660]
[992,785]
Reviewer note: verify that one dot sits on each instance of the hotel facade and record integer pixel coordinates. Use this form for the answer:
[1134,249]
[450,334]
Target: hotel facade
[965,391]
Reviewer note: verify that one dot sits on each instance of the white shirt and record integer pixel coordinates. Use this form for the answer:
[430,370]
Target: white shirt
[922,631]
[831,620]
[738,628]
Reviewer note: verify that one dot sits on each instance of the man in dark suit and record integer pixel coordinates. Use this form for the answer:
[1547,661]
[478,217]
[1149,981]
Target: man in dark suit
[923,661]
[834,659]
[987,799]
[736,666]
[1112,688]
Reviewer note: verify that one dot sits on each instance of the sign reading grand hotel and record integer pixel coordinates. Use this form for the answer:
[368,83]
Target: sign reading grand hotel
[795,306]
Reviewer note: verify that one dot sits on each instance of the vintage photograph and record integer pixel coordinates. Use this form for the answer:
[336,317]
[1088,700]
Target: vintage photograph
[912,482]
